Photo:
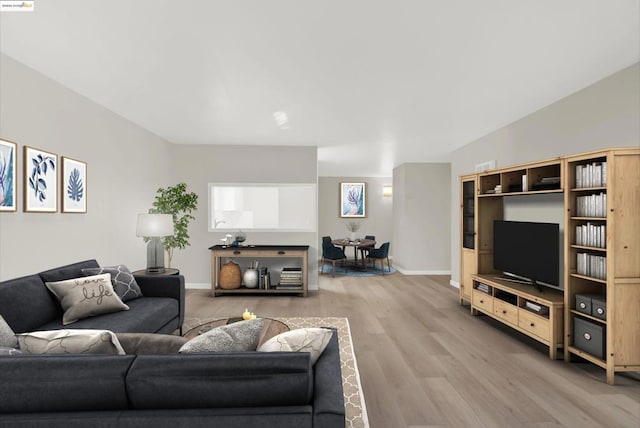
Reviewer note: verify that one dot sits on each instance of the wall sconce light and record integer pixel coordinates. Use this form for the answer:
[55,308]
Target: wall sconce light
[387,190]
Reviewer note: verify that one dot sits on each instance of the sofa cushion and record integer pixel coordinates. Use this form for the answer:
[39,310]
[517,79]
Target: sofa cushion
[237,337]
[86,296]
[70,341]
[122,280]
[150,343]
[73,270]
[58,383]
[27,295]
[146,315]
[197,381]
[7,336]
[312,340]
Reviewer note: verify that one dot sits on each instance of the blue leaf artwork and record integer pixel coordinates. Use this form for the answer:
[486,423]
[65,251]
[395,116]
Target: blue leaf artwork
[75,189]
[6,176]
[37,181]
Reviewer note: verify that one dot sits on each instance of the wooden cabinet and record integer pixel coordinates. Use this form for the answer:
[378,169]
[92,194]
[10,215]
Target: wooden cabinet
[270,256]
[513,304]
[601,192]
[602,254]
[468,257]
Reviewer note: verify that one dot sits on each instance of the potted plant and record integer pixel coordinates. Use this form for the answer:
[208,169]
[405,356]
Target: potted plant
[180,204]
[353,226]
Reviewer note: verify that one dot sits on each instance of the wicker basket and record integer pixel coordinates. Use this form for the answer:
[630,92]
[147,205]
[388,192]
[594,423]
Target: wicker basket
[230,276]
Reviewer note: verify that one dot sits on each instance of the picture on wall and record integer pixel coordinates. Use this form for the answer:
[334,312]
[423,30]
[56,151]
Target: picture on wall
[8,153]
[40,181]
[352,200]
[74,186]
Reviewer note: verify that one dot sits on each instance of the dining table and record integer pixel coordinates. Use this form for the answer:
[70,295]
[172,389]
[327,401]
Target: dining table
[357,244]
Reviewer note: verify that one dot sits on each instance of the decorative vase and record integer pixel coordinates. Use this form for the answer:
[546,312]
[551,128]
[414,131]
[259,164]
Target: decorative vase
[230,277]
[352,236]
[250,278]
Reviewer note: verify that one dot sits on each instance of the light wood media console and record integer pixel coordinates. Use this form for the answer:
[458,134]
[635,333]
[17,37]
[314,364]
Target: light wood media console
[613,268]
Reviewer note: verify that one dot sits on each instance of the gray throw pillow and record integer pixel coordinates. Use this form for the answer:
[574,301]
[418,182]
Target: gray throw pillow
[237,337]
[80,341]
[7,336]
[85,297]
[123,281]
[150,343]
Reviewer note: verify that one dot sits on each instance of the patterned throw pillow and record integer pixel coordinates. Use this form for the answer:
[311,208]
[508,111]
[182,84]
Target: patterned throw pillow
[312,340]
[86,296]
[237,337]
[70,341]
[123,281]
[7,336]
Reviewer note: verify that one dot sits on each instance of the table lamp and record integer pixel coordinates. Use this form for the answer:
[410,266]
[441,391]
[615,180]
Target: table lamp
[154,227]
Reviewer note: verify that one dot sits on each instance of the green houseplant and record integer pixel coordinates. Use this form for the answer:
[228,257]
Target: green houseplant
[180,204]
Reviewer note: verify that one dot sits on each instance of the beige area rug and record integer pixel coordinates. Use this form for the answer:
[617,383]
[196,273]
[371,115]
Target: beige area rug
[354,405]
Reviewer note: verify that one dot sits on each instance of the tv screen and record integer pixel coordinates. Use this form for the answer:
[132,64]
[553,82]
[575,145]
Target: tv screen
[529,250]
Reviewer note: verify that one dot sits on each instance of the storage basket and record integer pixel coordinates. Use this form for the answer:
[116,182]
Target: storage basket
[230,276]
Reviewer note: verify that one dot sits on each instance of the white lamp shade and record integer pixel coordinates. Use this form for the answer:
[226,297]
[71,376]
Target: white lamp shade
[154,225]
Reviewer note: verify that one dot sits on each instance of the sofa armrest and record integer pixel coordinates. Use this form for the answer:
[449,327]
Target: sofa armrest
[328,397]
[164,286]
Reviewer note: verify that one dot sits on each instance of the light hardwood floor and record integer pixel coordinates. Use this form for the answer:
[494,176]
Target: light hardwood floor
[424,361]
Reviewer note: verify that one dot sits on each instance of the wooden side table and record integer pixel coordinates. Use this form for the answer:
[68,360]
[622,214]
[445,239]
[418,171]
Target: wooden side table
[167,271]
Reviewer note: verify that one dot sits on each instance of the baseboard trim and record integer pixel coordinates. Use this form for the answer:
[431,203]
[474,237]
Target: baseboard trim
[454,284]
[197,286]
[422,272]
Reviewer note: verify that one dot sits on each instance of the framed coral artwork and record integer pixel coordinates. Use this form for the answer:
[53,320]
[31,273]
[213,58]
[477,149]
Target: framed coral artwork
[74,186]
[40,181]
[352,200]
[8,156]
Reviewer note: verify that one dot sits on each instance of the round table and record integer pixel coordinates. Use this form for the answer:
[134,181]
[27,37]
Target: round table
[270,328]
[357,244]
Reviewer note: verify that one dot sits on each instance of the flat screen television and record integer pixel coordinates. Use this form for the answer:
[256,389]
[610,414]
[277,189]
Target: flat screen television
[527,251]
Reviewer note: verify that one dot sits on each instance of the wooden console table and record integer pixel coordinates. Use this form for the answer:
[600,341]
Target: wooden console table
[298,255]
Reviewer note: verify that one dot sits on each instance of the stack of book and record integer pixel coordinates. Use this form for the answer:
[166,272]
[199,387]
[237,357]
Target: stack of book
[591,235]
[591,265]
[484,288]
[592,205]
[290,277]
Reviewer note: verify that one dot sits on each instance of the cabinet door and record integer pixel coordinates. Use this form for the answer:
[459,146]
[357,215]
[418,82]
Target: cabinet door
[468,268]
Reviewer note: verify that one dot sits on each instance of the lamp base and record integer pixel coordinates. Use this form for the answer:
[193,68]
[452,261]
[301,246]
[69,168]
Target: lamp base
[155,270]
[155,256]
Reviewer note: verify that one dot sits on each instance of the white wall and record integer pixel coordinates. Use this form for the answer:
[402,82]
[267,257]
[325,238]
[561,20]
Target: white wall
[379,217]
[421,218]
[198,165]
[125,166]
[602,115]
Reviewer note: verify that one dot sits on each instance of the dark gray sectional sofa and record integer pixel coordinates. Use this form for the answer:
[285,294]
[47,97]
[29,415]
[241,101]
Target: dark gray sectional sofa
[247,389]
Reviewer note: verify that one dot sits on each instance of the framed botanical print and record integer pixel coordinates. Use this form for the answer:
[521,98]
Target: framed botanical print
[8,159]
[40,181]
[352,200]
[74,186]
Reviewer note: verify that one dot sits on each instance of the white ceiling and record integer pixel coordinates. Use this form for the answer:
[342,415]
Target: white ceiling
[373,84]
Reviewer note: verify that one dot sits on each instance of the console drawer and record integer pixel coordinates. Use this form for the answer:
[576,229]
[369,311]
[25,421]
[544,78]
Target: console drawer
[505,311]
[534,324]
[483,301]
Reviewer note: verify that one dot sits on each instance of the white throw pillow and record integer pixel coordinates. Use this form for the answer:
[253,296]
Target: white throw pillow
[86,296]
[70,341]
[240,336]
[7,336]
[312,340]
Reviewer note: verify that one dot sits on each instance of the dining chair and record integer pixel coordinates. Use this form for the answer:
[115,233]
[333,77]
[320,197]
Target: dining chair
[365,250]
[381,254]
[331,253]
